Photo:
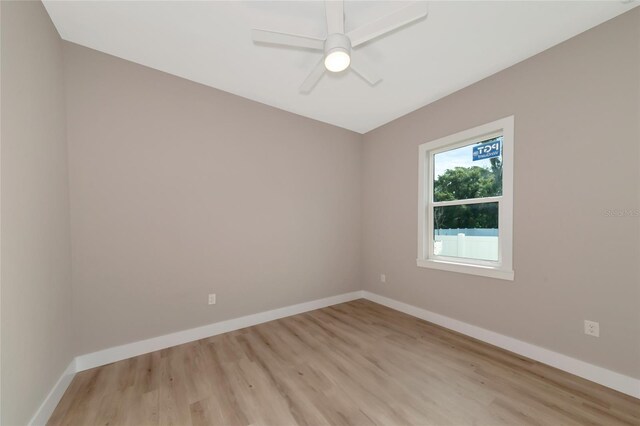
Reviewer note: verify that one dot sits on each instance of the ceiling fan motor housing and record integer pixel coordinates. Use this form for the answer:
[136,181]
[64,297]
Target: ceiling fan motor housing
[337,42]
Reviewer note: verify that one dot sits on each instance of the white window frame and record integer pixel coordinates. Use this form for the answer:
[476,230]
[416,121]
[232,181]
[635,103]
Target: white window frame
[503,268]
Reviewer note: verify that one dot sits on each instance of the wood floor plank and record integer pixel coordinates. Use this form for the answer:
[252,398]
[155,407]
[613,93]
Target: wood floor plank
[357,363]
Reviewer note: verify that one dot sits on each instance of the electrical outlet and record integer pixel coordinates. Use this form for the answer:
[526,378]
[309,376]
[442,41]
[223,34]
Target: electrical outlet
[592,328]
[383,278]
[212,299]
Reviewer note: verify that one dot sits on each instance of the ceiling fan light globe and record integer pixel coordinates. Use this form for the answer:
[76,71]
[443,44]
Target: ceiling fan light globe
[337,60]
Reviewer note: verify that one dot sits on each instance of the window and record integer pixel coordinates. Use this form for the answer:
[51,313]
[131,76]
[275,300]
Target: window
[465,218]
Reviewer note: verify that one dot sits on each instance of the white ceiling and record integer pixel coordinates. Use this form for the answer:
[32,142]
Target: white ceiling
[210,43]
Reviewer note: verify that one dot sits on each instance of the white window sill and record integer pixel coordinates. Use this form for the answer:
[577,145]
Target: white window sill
[485,271]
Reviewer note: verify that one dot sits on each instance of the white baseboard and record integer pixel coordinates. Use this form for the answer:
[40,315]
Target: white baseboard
[117,353]
[51,401]
[608,378]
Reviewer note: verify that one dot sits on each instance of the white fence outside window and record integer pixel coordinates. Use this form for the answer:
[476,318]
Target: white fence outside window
[462,245]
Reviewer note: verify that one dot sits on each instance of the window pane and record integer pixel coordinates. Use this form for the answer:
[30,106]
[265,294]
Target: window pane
[465,172]
[469,231]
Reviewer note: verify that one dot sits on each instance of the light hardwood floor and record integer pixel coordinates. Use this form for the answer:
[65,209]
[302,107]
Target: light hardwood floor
[354,363]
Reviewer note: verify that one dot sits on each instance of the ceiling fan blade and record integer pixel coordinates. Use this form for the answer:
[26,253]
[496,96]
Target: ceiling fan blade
[335,16]
[397,19]
[284,39]
[364,69]
[313,78]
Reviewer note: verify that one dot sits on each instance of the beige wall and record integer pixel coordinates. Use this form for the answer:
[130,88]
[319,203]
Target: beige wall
[36,270]
[577,142]
[179,190]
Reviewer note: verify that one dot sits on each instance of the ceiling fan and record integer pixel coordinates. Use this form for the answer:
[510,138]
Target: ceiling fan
[338,45]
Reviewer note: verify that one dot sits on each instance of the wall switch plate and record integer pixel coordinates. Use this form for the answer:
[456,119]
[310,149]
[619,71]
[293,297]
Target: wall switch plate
[212,299]
[592,328]
[383,278]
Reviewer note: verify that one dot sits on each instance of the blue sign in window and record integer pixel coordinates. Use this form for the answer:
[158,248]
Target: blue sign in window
[487,150]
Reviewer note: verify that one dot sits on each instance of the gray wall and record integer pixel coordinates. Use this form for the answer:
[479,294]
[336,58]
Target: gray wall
[179,190]
[36,269]
[577,142]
